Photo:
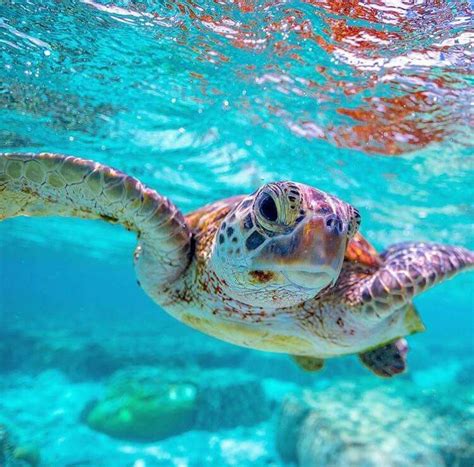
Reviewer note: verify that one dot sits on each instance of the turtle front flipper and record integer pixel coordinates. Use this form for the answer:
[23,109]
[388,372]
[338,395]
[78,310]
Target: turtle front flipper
[408,269]
[56,185]
[388,360]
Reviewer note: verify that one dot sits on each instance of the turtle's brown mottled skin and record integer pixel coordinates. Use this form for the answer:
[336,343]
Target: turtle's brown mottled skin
[283,269]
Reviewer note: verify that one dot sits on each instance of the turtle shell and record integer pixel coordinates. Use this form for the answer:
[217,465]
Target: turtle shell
[359,250]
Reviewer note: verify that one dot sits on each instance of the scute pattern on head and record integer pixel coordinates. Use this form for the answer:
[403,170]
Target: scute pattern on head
[282,244]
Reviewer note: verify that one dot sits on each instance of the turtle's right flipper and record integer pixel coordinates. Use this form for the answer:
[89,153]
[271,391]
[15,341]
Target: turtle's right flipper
[56,185]
[388,360]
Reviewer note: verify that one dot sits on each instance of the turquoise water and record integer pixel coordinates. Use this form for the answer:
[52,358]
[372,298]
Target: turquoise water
[370,101]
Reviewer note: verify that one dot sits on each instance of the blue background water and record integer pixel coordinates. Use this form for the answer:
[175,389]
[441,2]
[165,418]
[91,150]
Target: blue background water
[201,101]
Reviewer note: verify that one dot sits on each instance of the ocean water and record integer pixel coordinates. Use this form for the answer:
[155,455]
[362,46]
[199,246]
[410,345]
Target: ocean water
[370,101]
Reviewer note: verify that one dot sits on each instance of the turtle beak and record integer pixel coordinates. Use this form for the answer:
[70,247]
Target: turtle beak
[312,256]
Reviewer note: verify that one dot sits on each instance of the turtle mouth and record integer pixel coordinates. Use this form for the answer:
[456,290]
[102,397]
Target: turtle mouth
[310,280]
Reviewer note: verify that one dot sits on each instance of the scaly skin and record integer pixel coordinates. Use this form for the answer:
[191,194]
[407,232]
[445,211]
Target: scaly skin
[55,185]
[265,271]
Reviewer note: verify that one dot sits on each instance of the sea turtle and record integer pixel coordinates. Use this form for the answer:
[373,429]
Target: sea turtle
[283,269]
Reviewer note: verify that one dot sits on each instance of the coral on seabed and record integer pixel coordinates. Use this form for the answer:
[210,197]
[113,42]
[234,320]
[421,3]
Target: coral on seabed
[91,356]
[385,425]
[230,398]
[13,454]
[147,403]
[144,413]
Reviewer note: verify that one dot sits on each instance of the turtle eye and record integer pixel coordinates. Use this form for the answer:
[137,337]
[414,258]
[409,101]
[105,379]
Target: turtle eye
[268,208]
[354,222]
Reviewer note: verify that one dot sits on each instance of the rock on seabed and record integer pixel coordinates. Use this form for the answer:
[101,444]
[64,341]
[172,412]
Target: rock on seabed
[346,425]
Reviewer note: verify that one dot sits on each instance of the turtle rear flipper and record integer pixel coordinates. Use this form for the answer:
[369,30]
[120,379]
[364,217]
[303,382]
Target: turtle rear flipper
[308,363]
[56,185]
[388,360]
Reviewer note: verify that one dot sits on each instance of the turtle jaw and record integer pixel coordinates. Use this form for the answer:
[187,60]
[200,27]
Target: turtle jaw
[309,280]
[310,258]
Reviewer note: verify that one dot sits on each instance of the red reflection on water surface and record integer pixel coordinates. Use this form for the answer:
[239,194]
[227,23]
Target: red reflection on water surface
[379,76]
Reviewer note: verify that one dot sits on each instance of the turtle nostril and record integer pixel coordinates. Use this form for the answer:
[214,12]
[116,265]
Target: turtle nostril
[334,224]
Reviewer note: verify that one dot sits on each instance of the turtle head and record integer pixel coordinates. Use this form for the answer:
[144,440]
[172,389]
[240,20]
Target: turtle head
[282,245]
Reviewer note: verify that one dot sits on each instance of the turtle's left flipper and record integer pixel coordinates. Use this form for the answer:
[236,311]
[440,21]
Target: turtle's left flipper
[388,360]
[407,270]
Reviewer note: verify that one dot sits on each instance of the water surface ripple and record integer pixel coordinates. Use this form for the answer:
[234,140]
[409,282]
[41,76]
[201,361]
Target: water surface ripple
[369,100]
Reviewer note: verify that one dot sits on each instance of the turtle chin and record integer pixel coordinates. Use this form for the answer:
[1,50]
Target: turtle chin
[315,281]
